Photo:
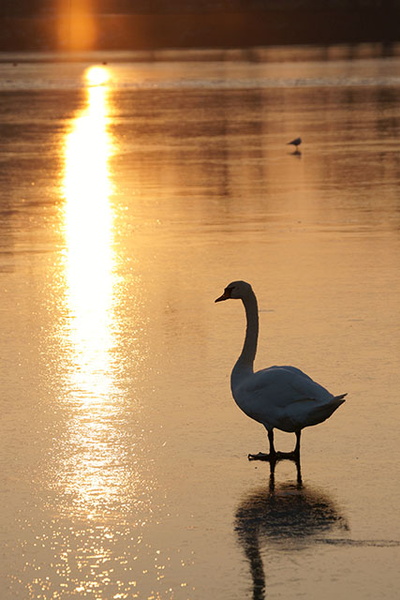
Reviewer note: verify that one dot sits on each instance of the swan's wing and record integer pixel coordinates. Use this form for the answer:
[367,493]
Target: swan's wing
[284,386]
[286,398]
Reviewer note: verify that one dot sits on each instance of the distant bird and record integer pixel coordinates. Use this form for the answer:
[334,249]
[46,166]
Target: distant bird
[296,143]
[284,398]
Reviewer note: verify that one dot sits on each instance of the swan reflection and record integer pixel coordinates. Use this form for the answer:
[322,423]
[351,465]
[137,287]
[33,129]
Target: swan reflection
[287,516]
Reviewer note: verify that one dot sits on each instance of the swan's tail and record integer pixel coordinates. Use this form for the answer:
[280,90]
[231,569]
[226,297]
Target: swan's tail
[340,399]
[335,403]
[324,411]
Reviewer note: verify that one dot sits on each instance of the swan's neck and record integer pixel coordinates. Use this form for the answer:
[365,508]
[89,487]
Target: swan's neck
[245,362]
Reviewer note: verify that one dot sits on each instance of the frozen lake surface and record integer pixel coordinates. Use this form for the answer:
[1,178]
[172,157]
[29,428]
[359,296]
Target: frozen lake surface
[132,193]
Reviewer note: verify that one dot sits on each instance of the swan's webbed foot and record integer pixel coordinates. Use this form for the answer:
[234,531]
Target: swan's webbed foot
[274,457]
[262,456]
[288,455]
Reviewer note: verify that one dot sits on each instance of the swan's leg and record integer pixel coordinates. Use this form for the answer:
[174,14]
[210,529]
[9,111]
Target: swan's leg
[296,450]
[295,454]
[272,452]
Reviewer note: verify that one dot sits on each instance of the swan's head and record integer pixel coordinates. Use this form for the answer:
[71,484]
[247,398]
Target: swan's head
[236,290]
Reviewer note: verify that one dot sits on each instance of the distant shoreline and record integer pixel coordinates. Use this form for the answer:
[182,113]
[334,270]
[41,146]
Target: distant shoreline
[202,30]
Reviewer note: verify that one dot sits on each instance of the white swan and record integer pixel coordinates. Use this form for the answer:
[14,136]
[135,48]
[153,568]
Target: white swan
[284,398]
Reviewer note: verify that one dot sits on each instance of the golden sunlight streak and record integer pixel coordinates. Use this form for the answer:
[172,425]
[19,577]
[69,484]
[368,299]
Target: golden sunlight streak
[90,282]
[88,229]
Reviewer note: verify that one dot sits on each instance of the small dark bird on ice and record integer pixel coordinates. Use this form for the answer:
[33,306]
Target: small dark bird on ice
[296,143]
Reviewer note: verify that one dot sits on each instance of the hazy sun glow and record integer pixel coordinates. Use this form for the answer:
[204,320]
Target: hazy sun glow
[76,25]
[97,76]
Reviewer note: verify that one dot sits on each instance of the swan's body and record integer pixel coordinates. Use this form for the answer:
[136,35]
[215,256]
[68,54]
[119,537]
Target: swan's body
[284,398]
